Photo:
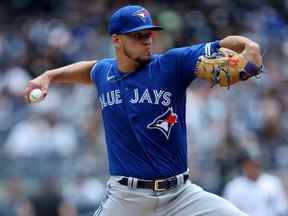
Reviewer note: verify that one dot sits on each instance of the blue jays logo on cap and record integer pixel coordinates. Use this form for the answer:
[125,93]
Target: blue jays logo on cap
[164,122]
[143,14]
[131,18]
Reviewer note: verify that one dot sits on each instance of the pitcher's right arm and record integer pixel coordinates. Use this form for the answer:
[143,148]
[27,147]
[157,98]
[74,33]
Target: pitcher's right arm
[74,73]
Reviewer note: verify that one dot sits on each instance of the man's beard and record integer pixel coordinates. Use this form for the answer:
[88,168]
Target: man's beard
[138,59]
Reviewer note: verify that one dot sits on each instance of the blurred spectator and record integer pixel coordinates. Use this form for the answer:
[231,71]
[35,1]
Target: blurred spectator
[84,192]
[256,192]
[41,135]
[272,133]
[15,198]
[227,156]
[49,202]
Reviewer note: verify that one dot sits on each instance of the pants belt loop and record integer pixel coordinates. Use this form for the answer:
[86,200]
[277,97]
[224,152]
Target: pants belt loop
[134,183]
[180,179]
[130,182]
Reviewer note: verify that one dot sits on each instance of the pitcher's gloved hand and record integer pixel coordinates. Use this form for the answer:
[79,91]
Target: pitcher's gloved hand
[226,67]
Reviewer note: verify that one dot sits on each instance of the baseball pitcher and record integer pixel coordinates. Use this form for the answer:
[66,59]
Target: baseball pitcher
[143,98]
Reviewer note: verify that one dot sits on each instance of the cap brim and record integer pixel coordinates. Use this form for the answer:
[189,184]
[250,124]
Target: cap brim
[146,27]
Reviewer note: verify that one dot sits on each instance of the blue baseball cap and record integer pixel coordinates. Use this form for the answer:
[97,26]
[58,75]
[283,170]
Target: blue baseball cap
[131,18]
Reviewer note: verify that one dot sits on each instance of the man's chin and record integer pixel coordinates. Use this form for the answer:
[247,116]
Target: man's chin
[143,60]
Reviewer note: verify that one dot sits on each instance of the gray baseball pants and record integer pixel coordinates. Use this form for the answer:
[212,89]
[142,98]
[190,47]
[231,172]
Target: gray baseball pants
[185,200]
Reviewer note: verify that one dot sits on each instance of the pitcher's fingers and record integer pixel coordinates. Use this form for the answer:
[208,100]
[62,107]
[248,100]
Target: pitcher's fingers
[30,86]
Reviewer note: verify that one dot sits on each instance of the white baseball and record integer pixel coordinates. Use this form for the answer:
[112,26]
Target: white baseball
[35,95]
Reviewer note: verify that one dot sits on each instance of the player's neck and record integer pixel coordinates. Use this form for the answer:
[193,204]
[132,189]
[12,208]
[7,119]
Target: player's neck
[126,67]
[125,64]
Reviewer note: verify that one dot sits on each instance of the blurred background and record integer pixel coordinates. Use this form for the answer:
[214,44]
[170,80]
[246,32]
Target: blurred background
[52,154]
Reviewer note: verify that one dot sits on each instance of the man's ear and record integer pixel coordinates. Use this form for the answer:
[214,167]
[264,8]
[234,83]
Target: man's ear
[116,40]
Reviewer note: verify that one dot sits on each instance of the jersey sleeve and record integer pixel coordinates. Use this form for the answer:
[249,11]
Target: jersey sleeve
[93,72]
[186,59]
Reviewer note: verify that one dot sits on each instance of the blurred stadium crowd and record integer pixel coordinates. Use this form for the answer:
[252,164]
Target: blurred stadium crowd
[58,145]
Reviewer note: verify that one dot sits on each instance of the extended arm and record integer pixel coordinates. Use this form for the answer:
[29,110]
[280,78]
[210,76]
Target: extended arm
[74,73]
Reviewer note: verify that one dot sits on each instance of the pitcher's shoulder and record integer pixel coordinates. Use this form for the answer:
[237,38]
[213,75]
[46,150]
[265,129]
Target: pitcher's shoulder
[101,66]
[108,61]
[103,63]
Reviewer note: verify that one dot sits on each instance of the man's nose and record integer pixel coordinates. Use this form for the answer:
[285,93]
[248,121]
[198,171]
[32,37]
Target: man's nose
[147,42]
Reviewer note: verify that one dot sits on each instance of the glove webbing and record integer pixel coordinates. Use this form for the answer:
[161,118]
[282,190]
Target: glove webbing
[216,71]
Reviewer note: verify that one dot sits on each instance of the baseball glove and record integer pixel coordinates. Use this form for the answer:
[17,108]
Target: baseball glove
[225,67]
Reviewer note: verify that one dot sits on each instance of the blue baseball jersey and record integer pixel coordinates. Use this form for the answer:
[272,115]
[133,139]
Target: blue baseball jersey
[144,112]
